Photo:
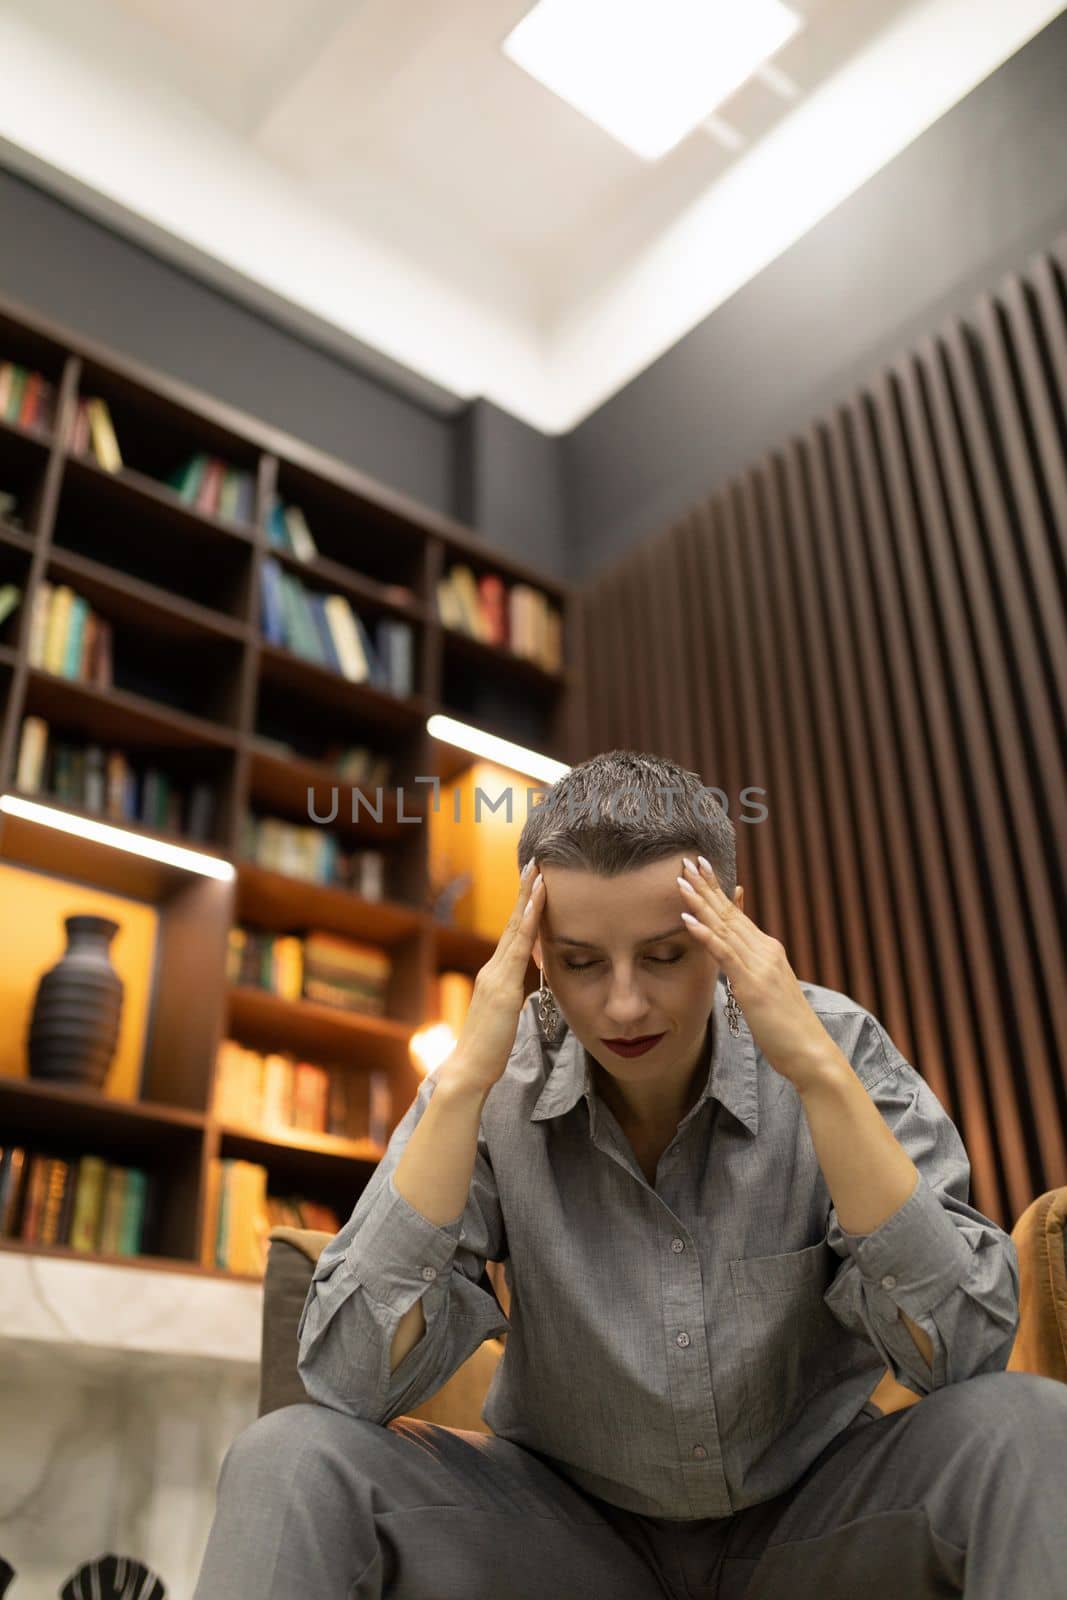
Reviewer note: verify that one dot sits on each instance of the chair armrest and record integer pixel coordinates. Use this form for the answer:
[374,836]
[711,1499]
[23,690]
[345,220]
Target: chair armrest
[291,1260]
[1040,1237]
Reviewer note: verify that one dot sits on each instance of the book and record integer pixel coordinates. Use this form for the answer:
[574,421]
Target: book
[33,749]
[272,616]
[13,1170]
[300,539]
[349,645]
[40,612]
[131,1224]
[58,622]
[111,1212]
[10,598]
[102,434]
[88,1203]
[72,647]
[492,597]
[59,1174]
[317,606]
[466,590]
[209,488]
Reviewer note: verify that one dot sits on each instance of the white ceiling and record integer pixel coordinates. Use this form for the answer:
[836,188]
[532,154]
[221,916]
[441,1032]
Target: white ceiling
[380,168]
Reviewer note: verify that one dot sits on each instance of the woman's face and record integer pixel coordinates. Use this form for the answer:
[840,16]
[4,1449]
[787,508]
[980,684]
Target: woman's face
[621,963]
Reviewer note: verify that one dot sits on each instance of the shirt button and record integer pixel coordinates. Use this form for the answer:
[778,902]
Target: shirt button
[699,1453]
[429,1273]
[677,1245]
[684,1340]
[889,1282]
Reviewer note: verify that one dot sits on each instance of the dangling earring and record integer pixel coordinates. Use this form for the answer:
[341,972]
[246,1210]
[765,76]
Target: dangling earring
[733,1011]
[548,1011]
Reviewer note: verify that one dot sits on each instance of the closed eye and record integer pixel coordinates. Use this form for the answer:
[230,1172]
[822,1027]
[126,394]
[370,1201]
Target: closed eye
[587,966]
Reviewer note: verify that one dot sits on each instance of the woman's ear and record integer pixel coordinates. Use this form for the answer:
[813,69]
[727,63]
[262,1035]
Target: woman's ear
[536,953]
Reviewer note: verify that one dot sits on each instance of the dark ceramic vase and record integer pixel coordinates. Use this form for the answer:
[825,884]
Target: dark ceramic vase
[75,1023]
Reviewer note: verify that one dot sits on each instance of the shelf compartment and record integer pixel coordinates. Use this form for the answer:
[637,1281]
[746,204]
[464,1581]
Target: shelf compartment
[23,459]
[118,716]
[461,548]
[493,658]
[161,655]
[363,534]
[89,717]
[279,785]
[71,1121]
[157,434]
[368,595]
[129,521]
[131,599]
[317,1031]
[14,568]
[368,708]
[285,905]
[23,346]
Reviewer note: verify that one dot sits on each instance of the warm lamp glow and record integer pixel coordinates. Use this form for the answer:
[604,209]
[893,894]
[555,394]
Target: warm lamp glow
[431,1045]
[171,855]
[502,751]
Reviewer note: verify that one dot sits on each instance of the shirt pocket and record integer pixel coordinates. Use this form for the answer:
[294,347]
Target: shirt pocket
[792,1345]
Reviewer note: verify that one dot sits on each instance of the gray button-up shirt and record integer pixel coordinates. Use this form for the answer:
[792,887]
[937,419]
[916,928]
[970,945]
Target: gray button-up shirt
[684,1348]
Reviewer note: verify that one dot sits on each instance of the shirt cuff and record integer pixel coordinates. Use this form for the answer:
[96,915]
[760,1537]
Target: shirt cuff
[917,1255]
[398,1252]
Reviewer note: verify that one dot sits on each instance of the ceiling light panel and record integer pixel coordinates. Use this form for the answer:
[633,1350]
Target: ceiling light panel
[648,71]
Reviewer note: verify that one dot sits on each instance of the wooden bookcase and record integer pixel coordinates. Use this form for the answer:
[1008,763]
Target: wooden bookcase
[201,691]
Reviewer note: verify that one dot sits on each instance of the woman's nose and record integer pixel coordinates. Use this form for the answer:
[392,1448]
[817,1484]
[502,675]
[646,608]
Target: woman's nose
[626,1001]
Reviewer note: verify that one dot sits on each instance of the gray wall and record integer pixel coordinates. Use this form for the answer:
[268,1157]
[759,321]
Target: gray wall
[963,203]
[471,461]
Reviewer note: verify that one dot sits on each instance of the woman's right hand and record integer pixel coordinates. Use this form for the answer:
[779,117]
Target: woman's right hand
[492,1020]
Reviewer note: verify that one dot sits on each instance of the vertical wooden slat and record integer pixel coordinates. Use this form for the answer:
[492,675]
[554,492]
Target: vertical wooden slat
[767,887]
[722,761]
[663,655]
[811,726]
[762,665]
[846,962]
[705,751]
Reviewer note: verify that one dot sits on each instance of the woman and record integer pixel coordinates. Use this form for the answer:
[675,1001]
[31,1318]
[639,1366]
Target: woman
[725,1203]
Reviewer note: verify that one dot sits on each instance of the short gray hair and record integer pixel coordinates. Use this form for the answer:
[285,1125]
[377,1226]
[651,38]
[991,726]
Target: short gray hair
[625,809]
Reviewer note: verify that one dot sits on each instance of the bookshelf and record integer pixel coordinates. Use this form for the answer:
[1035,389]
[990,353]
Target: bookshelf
[195,688]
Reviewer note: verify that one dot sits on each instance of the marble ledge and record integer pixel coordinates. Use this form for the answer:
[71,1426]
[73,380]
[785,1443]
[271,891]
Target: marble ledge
[128,1310]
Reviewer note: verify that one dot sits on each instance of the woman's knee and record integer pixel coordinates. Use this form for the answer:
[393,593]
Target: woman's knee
[1003,1405]
[267,1451]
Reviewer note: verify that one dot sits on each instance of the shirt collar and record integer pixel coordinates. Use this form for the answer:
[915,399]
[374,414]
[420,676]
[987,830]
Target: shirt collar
[731,1077]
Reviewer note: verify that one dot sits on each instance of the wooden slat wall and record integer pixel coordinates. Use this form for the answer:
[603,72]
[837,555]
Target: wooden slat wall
[871,625]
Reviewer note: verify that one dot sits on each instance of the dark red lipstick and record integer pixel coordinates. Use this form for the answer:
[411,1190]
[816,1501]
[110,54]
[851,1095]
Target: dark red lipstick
[633,1047]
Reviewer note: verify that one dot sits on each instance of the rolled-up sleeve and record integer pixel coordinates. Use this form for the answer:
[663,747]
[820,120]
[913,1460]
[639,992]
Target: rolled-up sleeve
[385,1258]
[937,1259]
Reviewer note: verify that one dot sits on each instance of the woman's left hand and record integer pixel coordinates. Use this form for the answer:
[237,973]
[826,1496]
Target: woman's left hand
[768,991]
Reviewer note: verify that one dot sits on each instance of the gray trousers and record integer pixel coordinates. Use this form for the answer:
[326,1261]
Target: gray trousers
[964,1493]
